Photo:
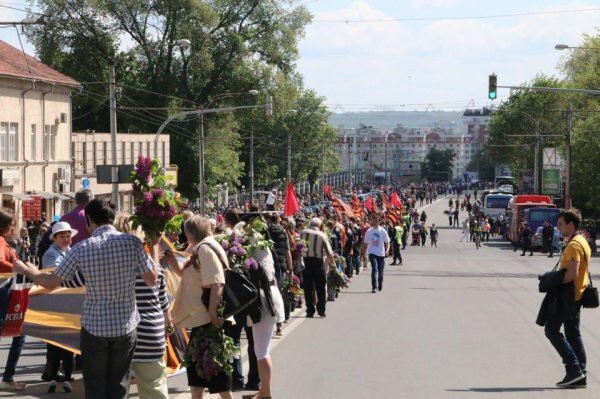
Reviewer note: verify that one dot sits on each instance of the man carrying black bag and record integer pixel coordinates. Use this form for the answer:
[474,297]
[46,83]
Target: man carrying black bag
[575,260]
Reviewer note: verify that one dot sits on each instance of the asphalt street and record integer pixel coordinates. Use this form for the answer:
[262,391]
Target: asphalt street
[452,322]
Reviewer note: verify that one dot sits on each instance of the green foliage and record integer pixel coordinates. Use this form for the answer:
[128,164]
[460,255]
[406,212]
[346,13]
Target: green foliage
[236,46]
[482,163]
[438,165]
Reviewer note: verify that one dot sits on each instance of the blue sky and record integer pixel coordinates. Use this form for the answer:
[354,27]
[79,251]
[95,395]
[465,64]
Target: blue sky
[412,64]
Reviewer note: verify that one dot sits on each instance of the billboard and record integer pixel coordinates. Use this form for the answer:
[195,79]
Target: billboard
[551,181]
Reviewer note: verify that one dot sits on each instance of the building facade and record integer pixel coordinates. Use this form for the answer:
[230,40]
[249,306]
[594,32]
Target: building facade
[35,128]
[398,153]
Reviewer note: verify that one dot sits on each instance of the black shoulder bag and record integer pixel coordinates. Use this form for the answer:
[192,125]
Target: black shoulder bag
[238,292]
[590,299]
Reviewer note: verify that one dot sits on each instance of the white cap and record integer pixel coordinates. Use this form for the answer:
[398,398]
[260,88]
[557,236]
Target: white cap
[62,226]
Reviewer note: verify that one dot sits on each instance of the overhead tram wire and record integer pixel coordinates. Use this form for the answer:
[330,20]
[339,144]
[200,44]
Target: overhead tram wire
[459,18]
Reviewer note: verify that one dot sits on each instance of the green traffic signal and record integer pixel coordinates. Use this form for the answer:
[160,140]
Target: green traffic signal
[492,87]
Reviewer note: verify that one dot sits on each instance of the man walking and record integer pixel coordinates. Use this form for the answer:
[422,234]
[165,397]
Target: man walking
[526,239]
[547,238]
[319,256]
[396,242]
[376,244]
[109,262]
[575,260]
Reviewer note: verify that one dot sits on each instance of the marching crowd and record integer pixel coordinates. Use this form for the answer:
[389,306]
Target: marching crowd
[128,315]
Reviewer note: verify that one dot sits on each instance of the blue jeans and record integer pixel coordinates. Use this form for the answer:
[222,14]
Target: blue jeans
[377,265]
[13,358]
[570,345]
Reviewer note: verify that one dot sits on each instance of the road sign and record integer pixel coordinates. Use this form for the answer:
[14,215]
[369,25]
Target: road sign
[552,159]
[551,181]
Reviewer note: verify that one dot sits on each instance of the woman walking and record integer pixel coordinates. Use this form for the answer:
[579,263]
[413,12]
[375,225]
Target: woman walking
[433,233]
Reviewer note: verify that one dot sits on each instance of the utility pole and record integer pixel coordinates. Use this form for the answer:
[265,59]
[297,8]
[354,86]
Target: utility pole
[385,156]
[289,159]
[323,172]
[113,135]
[201,182]
[569,176]
[251,172]
[350,165]
[536,166]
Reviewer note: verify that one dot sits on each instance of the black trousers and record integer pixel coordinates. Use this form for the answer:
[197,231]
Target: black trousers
[315,280]
[253,378]
[396,249]
[55,356]
[106,364]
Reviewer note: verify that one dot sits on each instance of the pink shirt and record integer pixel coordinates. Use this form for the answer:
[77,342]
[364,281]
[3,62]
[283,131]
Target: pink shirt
[76,218]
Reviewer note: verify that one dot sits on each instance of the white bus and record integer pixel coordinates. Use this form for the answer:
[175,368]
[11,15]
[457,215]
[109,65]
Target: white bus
[495,205]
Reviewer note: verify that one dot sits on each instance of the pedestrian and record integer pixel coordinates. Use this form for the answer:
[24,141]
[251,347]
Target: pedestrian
[282,256]
[423,218]
[376,244]
[271,198]
[455,215]
[423,234]
[24,244]
[318,260]
[548,238]
[61,237]
[397,242]
[7,256]
[76,218]
[575,261]
[109,261]
[526,239]
[405,229]
[357,245]
[592,235]
[433,233]
[205,270]
[465,230]
[449,214]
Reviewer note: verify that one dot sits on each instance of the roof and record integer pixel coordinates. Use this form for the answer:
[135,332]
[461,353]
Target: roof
[14,63]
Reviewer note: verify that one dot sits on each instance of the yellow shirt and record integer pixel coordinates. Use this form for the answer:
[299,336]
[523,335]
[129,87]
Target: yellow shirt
[188,310]
[578,249]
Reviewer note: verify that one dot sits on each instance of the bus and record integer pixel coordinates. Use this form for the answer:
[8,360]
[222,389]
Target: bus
[504,181]
[535,217]
[495,205]
[516,212]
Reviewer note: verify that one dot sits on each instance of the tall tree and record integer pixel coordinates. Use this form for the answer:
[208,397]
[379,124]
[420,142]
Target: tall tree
[438,165]
[235,46]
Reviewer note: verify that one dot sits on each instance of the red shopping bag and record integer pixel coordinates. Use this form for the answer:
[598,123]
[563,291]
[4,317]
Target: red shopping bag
[17,302]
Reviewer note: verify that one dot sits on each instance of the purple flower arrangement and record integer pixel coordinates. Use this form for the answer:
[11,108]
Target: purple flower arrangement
[156,202]
[211,352]
[238,251]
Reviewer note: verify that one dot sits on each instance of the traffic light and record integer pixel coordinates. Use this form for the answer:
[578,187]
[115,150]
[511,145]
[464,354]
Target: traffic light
[492,87]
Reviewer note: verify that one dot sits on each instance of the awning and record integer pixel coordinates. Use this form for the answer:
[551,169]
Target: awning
[21,197]
[47,195]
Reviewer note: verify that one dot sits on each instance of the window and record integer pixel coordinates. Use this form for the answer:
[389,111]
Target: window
[33,141]
[85,158]
[164,153]
[123,153]
[94,155]
[52,138]
[104,153]
[141,148]
[12,142]
[46,142]
[73,149]
[148,149]
[3,138]
[132,150]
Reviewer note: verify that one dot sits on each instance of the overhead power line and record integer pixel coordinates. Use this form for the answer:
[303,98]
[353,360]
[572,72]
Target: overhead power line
[459,18]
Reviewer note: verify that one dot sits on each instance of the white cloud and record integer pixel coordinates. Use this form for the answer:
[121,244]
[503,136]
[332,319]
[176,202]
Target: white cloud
[433,3]
[408,62]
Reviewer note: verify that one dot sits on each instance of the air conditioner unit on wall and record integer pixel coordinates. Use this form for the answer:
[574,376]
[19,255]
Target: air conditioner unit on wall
[64,175]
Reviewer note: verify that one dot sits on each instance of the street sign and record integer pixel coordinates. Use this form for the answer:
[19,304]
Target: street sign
[552,159]
[551,181]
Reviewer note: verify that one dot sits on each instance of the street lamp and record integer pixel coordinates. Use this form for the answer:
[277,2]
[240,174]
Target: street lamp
[289,150]
[561,47]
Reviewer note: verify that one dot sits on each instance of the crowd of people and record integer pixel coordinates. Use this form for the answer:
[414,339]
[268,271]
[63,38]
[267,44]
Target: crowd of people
[127,311]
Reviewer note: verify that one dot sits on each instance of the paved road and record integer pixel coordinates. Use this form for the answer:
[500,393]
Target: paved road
[453,322]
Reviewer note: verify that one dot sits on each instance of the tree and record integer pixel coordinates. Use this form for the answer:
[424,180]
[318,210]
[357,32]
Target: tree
[481,162]
[514,124]
[236,46]
[438,165]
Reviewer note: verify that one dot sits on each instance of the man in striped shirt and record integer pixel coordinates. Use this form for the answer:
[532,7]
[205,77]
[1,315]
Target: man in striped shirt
[319,256]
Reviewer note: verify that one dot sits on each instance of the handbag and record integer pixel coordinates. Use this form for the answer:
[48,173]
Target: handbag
[14,301]
[238,292]
[590,299]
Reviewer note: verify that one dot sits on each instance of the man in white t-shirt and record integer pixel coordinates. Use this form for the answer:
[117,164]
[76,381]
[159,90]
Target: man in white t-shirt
[271,198]
[376,245]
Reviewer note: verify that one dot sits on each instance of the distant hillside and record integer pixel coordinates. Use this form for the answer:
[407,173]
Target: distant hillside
[389,119]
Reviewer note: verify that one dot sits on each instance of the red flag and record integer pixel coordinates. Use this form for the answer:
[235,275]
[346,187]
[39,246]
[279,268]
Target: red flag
[396,201]
[370,204]
[291,201]
[327,189]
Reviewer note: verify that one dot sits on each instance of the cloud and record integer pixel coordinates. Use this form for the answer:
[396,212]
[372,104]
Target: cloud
[433,3]
[433,61]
